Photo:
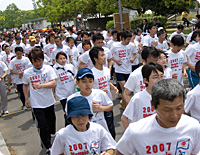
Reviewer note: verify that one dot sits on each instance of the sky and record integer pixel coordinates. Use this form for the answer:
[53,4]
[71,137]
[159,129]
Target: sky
[21,4]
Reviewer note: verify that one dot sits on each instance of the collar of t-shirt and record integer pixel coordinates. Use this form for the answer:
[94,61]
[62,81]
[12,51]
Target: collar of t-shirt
[35,70]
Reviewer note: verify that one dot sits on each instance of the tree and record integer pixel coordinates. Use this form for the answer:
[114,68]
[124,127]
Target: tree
[12,16]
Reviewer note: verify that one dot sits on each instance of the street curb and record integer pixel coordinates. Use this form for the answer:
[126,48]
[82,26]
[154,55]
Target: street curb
[3,147]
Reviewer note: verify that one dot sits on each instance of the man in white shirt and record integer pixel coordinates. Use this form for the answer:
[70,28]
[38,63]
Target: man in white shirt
[178,32]
[48,49]
[17,44]
[123,55]
[31,46]
[162,43]
[60,48]
[150,39]
[135,82]
[84,36]
[113,40]
[39,81]
[168,131]
[140,105]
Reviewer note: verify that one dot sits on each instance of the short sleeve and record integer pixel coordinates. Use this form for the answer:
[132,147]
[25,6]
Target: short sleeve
[84,58]
[11,65]
[52,73]
[25,78]
[145,41]
[130,84]
[109,55]
[189,51]
[58,146]
[5,68]
[125,145]
[189,102]
[106,100]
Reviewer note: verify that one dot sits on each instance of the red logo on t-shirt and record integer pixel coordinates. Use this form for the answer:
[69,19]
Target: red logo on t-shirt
[197,56]
[63,76]
[174,63]
[102,82]
[122,53]
[18,66]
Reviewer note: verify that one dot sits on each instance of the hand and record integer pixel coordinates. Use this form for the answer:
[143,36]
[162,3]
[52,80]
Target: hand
[131,60]
[159,49]
[155,44]
[36,85]
[104,153]
[27,103]
[185,74]
[105,90]
[96,107]
[174,76]
[21,74]
[0,79]
[192,68]
[119,63]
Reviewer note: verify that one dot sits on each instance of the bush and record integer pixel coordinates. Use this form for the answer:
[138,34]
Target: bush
[137,22]
[110,24]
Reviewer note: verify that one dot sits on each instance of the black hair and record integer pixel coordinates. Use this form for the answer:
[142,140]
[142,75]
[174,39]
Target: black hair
[79,32]
[119,36]
[60,53]
[94,52]
[126,34]
[145,20]
[147,69]
[86,42]
[84,33]
[197,67]
[194,35]
[70,29]
[6,46]
[91,33]
[19,49]
[160,32]
[36,54]
[50,35]
[97,36]
[17,38]
[114,31]
[68,39]
[149,51]
[56,37]
[150,26]
[180,26]
[198,16]
[177,40]
[197,25]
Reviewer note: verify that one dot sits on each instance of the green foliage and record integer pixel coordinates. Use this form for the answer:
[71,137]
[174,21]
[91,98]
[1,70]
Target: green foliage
[110,24]
[137,22]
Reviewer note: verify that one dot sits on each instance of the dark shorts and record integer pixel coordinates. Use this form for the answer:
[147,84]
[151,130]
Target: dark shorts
[122,77]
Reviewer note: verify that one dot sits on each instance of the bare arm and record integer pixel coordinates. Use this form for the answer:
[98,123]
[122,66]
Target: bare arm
[126,96]
[81,65]
[118,153]
[98,108]
[50,84]
[117,61]
[125,121]
[110,63]
[134,57]
[26,92]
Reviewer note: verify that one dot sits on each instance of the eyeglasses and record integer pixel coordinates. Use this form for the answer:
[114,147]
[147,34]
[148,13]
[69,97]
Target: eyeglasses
[86,46]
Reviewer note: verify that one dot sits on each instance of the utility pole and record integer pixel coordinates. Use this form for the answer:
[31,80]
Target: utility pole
[120,13]
[197,8]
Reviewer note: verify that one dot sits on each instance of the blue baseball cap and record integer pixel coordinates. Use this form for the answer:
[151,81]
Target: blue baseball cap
[78,106]
[82,72]
[155,19]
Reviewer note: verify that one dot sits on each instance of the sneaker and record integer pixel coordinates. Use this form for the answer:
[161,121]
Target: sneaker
[48,151]
[6,112]
[16,91]
[24,108]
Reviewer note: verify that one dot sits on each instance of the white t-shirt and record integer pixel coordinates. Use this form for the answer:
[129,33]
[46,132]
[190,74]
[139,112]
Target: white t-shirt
[149,41]
[124,54]
[110,43]
[85,58]
[175,62]
[19,65]
[3,53]
[107,38]
[100,97]
[147,137]
[192,102]
[65,80]
[80,48]
[93,141]
[40,98]
[74,55]
[108,55]
[64,49]
[193,53]
[175,33]
[136,44]
[139,106]
[102,79]
[3,68]
[163,46]
[167,73]
[13,46]
[189,37]
[135,82]
[48,49]
[28,49]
